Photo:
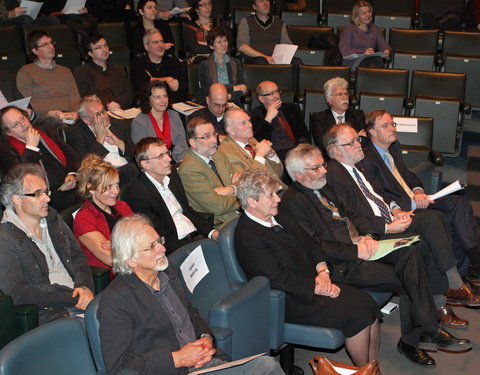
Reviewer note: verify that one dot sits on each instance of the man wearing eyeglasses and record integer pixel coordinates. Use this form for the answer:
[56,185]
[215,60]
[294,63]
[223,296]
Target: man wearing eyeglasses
[207,175]
[337,97]
[52,87]
[41,262]
[384,162]
[278,122]
[158,193]
[22,143]
[362,200]
[102,77]
[157,66]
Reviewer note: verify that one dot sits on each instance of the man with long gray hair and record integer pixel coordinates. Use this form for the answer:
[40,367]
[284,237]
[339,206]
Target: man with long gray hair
[146,321]
[40,262]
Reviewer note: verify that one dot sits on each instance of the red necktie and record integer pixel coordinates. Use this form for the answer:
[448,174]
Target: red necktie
[250,150]
[285,125]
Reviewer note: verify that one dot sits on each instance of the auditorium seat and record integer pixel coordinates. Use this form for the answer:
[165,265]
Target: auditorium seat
[305,18]
[12,56]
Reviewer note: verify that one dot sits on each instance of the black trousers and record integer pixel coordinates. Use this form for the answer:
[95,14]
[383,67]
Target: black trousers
[402,270]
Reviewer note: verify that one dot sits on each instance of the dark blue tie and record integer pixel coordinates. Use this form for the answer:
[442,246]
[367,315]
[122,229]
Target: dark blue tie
[215,170]
[384,211]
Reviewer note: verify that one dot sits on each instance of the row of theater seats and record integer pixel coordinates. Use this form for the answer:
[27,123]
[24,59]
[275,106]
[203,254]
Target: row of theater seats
[237,311]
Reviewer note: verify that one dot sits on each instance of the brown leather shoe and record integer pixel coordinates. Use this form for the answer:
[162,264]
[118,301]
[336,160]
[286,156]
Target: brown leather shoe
[448,319]
[463,296]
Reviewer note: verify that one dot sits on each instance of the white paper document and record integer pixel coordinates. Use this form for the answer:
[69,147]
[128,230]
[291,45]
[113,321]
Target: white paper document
[194,268]
[283,53]
[177,10]
[406,125]
[33,8]
[452,188]
[73,6]
[187,108]
[20,103]
[125,113]
[225,365]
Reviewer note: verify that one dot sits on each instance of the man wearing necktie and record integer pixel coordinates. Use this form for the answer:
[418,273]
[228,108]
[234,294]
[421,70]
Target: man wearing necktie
[242,149]
[207,175]
[346,178]
[309,202]
[384,162]
[278,122]
[337,97]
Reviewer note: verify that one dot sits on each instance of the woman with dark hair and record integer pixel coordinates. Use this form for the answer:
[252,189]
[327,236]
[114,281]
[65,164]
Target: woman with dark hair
[221,68]
[195,32]
[156,121]
[361,39]
[147,9]
[98,187]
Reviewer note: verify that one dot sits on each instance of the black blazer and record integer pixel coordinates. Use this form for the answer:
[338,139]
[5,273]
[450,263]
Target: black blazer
[376,168]
[287,259]
[205,112]
[322,121]
[292,112]
[135,332]
[82,139]
[142,196]
[351,200]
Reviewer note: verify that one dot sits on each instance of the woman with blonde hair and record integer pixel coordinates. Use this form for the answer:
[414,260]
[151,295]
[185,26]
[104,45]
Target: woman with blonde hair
[98,187]
[361,39]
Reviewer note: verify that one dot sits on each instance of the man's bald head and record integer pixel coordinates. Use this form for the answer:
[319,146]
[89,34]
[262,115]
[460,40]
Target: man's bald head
[217,99]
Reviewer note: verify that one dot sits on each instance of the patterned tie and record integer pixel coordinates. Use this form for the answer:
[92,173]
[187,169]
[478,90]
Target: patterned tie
[397,175]
[339,119]
[250,150]
[352,231]
[215,170]
[382,206]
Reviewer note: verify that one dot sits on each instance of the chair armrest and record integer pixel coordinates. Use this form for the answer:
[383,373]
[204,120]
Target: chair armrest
[247,313]
[277,318]
[223,339]
[409,103]
[466,108]
[354,101]
[26,317]
[101,278]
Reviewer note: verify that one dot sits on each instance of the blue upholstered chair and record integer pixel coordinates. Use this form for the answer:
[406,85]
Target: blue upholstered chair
[92,325]
[239,317]
[280,331]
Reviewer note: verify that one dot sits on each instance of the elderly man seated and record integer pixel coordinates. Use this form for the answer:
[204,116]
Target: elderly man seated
[146,321]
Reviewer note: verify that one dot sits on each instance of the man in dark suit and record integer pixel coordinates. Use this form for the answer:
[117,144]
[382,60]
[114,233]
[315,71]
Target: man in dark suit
[158,193]
[97,134]
[308,201]
[147,323]
[337,97]
[362,202]
[216,99]
[384,162]
[280,123]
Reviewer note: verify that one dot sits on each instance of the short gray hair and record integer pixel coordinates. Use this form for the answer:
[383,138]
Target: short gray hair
[332,83]
[330,138]
[294,161]
[254,182]
[84,102]
[12,183]
[229,117]
[148,34]
[125,236]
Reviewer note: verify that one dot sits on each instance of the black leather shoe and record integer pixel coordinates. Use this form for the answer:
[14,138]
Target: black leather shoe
[443,340]
[415,354]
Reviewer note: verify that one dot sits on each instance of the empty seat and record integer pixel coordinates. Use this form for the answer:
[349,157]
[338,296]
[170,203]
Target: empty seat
[389,20]
[12,56]
[337,19]
[300,35]
[405,7]
[439,7]
[282,75]
[307,18]
[382,89]
[441,96]
[461,51]
[414,49]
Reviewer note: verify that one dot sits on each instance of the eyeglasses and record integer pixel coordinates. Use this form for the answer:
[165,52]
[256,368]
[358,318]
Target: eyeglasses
[21,120]
[206,137]
[205,5]
[52,42]
[37,193]
[219,106]
[160,156]
[316,168]
[96,48]
[388,124]
[159,240]
[272,92]
[352,143]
